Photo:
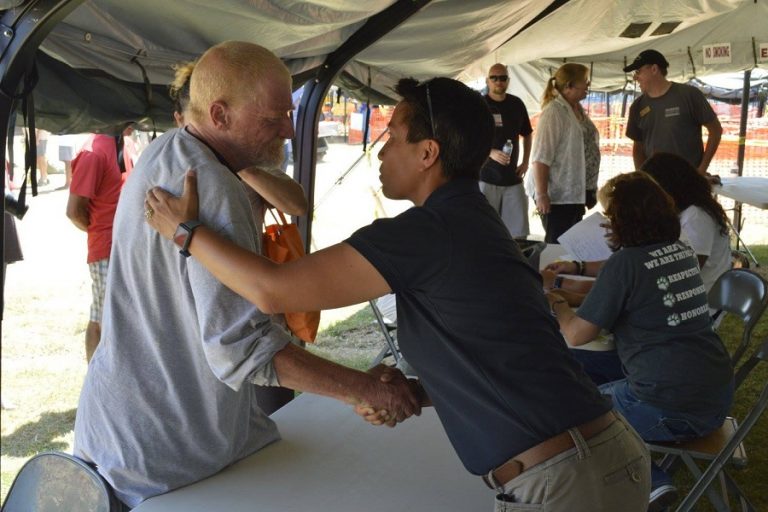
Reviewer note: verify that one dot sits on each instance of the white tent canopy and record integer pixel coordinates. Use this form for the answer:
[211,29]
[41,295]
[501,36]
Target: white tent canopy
[588,32]
[115,36]
[115,39]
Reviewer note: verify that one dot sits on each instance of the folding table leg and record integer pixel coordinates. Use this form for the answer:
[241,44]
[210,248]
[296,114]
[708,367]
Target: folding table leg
[740,241]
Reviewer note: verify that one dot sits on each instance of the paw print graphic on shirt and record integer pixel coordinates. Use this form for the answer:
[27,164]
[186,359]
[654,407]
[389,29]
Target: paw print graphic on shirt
[673,320]
[669,299]
[662,283]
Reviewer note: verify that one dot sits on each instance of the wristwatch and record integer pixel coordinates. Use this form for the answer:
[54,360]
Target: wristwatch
[183,235]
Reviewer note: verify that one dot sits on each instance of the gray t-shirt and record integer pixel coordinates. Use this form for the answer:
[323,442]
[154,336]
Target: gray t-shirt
[166,400]
[653,300]
[672,122]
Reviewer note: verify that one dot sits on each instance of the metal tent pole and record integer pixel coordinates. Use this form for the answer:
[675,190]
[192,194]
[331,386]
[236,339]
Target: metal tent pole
[22,29]
[315,90]
[742,147]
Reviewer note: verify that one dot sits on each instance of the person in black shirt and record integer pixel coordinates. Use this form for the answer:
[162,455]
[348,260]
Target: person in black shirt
[472,319]
[501,178]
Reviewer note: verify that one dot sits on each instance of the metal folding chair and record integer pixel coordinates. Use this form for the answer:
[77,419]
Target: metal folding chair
[743,293]
[721,448]
[59,482]
[387,329]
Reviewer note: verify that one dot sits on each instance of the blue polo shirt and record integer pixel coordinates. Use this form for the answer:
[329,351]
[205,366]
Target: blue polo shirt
[474,324]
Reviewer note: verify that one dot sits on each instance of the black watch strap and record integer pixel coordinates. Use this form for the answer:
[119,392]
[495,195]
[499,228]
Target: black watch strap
[183,235]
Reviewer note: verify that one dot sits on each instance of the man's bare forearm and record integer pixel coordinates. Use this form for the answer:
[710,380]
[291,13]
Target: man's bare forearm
[298,369]
[282,192]
[714,134]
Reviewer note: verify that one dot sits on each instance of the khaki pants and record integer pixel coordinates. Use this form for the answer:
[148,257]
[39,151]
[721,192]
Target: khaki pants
[608,473]
[511,203]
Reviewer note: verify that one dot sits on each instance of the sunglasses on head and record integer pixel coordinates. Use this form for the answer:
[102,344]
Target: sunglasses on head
[499,78]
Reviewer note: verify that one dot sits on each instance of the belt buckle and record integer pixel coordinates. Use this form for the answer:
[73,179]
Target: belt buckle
[493,483]
[490,480]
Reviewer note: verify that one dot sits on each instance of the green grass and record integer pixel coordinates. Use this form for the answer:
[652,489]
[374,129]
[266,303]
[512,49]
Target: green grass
[354,334]
[358,320]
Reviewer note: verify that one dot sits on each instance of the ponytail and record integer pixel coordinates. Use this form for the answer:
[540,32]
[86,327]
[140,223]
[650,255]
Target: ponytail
[549,92]
[566,75]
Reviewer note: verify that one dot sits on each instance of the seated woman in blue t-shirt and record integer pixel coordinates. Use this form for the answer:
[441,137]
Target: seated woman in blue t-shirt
[678,378]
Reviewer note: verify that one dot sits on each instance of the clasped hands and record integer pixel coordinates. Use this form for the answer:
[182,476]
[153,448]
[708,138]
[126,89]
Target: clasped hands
[395,398]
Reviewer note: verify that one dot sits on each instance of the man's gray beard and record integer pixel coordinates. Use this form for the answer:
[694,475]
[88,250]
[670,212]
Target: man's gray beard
[271,157]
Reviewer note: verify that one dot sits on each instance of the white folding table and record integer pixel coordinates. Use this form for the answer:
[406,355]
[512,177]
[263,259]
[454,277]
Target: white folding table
[751,190]
[330,460]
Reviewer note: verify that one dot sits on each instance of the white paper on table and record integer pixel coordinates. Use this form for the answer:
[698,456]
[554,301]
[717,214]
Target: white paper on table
[586,240]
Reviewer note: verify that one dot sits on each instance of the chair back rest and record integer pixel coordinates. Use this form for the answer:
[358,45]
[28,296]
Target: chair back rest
[59,482]
[743,293]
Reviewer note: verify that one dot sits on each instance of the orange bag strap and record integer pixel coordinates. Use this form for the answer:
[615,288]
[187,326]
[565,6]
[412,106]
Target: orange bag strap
[281,220]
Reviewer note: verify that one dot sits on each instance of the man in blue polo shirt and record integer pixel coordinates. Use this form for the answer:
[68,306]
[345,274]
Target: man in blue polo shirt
[472,319]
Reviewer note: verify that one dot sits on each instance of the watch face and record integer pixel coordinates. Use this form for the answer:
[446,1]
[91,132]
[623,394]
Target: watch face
[180,236]
[183,235]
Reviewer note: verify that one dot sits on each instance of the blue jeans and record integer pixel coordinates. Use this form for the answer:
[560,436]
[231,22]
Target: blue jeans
[655,424]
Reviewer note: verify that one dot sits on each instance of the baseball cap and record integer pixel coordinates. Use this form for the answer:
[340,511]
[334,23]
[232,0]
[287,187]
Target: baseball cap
[647,57]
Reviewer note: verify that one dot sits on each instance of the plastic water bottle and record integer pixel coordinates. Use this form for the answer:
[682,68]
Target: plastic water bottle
[508,147]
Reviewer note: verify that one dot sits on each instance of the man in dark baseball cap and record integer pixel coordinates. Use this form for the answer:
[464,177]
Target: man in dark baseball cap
[647,57]
[668,116]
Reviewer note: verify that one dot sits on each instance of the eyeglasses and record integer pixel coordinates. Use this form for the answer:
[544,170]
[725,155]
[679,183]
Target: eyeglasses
[431,117]
[498,78]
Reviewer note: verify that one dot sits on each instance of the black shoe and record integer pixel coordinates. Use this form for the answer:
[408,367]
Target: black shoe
[662,497]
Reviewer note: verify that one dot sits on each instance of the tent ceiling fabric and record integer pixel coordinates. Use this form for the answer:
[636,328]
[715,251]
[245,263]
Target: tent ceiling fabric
[587,31]
[441,39]
[458,38]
